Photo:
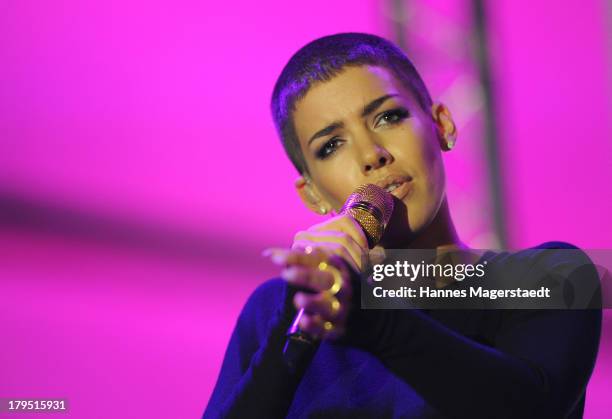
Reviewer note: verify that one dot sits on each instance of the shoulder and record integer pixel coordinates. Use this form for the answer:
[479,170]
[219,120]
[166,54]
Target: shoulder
[571,265]
[552,256]
[266,293]
[267,296]
[557,265]
[575,288]
[263,304]
[561,258]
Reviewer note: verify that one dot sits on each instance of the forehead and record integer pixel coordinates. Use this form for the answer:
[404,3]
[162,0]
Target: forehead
[343,96]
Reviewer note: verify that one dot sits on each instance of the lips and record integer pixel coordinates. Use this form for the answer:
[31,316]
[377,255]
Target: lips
[398,185]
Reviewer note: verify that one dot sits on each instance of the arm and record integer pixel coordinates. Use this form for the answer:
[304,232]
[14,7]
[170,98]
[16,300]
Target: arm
[254,381]
[539,366]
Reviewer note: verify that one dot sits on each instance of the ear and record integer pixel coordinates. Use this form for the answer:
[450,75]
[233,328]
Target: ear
[445,126]
[310,196]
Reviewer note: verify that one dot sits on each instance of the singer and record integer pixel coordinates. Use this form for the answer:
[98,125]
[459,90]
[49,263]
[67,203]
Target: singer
[352,110]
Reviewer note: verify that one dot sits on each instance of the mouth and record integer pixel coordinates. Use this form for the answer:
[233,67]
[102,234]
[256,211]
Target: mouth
[398,186]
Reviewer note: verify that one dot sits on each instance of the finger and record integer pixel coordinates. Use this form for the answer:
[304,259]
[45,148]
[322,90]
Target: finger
[377,255]
[300,243]
[338,265]
[285,257]
[277,255]
[352,251]
[332,331]
[319,328]
[307,277]
[322,303]
[332,265]
[355,248]
[335,248]
[312,324]
[310,257]
[346,224]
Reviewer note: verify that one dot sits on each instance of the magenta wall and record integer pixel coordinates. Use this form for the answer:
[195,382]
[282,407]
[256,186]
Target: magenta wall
[156,113]
[552,67]
[553,80]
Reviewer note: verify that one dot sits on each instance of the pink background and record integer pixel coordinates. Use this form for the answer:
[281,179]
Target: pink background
[155,114]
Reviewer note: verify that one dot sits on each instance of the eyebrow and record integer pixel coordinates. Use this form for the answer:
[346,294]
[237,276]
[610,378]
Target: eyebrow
[367,110]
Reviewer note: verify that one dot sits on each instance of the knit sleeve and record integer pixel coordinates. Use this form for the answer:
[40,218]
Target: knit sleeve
[254,380]
[538,366]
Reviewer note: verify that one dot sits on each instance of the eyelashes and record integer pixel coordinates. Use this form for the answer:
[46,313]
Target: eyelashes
[393,116]
[328,148]
[390,117]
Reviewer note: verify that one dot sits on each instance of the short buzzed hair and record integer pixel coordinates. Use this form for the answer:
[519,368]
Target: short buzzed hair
[323,59]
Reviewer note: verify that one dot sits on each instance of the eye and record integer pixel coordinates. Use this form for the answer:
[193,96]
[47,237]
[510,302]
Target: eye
[393,116]
[328,148]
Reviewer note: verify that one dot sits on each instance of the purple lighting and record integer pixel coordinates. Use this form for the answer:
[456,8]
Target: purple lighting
[141,176]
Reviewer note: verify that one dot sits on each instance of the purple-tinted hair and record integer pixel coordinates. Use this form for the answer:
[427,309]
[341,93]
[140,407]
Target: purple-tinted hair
[320,61]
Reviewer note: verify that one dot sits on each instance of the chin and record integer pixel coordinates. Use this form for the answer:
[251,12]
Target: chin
[408,222]
[401,227]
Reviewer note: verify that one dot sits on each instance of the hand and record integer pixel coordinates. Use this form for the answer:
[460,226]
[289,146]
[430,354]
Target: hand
[340,235]
[324,282]
[321,260]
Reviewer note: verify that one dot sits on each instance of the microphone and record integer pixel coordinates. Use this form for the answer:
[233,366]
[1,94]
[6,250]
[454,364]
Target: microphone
[371,206]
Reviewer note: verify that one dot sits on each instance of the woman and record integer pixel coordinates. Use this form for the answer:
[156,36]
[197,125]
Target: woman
[352,110]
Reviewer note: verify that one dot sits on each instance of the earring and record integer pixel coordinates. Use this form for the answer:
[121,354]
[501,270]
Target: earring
[322,210]
[450,144]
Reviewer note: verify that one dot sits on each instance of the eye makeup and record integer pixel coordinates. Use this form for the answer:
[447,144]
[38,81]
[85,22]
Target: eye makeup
[328,148]
[390,117]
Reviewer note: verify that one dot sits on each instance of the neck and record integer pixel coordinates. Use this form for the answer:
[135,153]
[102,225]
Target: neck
[439,234]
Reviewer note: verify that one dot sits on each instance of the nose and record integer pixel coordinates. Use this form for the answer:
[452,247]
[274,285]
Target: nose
[373,155]
[375,164]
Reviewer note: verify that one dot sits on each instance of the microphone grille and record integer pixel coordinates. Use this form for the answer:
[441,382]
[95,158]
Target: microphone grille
[371,206]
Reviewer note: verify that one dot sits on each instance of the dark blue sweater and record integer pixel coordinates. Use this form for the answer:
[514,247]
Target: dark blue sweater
[416,363]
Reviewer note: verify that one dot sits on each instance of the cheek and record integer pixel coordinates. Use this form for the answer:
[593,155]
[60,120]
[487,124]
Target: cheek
[435,184]
[434,167]
[335,184]
[419,152]
[422,156]
[430,163]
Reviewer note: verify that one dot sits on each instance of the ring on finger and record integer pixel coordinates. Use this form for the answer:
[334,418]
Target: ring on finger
[326,267]
[335,305]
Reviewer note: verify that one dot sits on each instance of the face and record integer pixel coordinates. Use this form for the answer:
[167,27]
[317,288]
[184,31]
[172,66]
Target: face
[362,127]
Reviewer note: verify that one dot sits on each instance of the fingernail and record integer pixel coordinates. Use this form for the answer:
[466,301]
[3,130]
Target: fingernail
[290,274]
[269,251]
[278,258]
[276,255]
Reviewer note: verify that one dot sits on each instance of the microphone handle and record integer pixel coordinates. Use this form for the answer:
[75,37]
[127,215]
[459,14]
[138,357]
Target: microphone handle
[371,206]
[298,344]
